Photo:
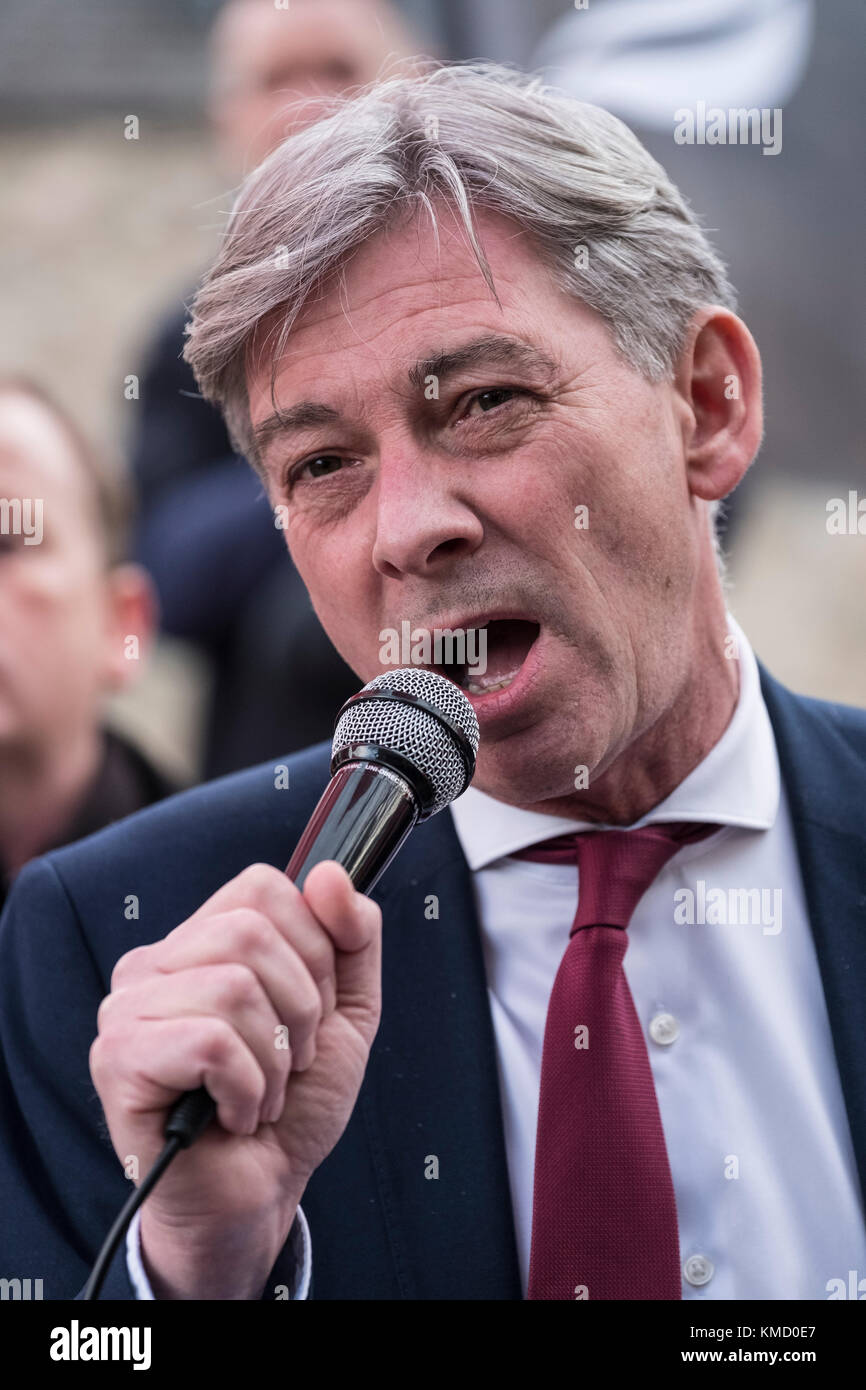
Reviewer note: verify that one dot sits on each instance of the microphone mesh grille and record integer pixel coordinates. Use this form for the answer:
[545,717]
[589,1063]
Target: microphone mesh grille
[419,736]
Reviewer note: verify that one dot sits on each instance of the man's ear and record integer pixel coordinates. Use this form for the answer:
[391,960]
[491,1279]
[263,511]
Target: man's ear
[132,612]
[718,378]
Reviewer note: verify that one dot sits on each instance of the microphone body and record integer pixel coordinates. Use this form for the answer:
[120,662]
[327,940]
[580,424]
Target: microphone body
[361,821]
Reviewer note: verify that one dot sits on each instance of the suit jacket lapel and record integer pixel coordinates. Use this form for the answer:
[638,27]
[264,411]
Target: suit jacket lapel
[430,1099]
[820,768]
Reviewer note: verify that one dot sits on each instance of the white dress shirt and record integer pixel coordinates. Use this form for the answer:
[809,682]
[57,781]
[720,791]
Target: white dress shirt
[728,988]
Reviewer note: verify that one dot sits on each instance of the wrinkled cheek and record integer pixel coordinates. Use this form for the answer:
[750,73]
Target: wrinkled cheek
[350,628]
[340,603]
[334,563]
[305,553]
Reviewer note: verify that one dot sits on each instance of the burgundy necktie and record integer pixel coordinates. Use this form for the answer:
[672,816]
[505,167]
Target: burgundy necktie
[604,1216]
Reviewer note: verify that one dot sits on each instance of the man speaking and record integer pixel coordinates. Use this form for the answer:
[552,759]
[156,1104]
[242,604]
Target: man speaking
[597,1034]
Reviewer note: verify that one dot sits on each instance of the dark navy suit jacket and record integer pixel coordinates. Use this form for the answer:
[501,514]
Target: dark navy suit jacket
[380,1229]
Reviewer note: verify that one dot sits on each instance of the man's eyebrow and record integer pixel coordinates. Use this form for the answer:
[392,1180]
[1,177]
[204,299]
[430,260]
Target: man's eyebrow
[306,415]
[492,350]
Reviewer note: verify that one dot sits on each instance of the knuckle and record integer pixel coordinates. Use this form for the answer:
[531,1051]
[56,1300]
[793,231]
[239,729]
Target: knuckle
[217,1043]
[258,880]
[114,1026]
[322,957]
[105,1058]
[309,1009]
[251,931]
[128,965]
[238,986]
[95,1059]
[106,1010]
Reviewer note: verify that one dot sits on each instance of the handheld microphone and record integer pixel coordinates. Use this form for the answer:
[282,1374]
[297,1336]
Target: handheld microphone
[404,747]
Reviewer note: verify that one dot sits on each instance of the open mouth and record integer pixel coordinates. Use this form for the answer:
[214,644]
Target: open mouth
[494,658]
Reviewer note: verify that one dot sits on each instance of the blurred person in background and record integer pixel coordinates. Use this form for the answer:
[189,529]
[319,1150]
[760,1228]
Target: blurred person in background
[789,239]
[73,622]
[207,534]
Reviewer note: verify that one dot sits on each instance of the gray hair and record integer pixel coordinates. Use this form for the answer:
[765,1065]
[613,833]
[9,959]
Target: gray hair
[603,215]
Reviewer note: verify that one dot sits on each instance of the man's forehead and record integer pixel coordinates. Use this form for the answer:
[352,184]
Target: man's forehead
[415,267]
[406,298]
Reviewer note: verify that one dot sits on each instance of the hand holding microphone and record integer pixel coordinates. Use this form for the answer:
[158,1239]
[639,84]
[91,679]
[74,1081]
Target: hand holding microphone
[291,957]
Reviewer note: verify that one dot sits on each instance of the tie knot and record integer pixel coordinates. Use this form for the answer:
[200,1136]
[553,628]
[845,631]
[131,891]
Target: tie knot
[616,866]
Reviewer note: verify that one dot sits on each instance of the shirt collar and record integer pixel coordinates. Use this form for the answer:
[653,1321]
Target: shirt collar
[736,784]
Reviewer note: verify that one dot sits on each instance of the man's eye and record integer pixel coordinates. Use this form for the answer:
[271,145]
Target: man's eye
[320,466]
[489,400]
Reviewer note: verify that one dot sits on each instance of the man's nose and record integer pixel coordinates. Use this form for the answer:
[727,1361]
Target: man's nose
[423,522]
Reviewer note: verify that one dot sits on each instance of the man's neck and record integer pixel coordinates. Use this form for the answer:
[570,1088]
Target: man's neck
[40,792]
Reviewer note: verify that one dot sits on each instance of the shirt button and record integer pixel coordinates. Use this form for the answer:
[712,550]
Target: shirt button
[664,1029]
[698,1270]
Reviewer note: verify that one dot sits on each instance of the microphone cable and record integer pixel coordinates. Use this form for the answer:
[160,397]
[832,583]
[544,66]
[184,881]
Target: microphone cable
[188,1119]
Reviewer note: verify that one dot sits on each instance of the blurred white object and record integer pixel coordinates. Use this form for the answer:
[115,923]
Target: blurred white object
[644,61]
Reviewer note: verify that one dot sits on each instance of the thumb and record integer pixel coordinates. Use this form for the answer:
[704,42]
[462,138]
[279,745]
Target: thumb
[354,924]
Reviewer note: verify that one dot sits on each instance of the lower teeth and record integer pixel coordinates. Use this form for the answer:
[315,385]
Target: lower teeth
[480,688]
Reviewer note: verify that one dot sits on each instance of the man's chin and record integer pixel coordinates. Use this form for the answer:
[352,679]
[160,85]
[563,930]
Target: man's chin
[520,781]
